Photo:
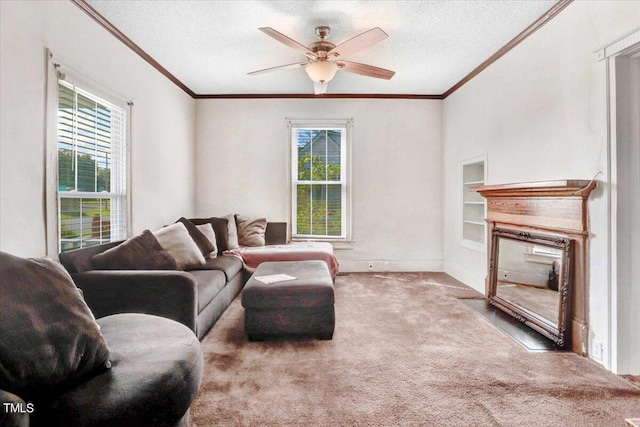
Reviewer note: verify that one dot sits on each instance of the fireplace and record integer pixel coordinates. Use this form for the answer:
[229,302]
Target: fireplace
[544,217]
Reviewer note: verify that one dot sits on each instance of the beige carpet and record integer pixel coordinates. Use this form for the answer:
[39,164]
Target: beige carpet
[406,352]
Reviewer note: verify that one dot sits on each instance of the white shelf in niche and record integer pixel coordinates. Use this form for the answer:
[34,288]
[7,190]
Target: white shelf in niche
[473,204]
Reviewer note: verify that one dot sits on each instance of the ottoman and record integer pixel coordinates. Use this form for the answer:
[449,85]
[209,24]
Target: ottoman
[292,308]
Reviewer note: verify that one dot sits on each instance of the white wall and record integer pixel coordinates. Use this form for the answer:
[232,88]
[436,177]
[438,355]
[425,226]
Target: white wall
[162,119]
[539,113]
[242,164]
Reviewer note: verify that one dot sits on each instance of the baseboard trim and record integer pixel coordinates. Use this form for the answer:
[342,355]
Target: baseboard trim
[580,338]
[381,265]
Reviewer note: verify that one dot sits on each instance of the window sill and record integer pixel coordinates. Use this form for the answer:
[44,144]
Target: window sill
[337,244]
[344,245]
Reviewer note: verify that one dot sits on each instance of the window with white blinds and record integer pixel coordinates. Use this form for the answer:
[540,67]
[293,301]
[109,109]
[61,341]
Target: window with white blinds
[92,175]
[319,182]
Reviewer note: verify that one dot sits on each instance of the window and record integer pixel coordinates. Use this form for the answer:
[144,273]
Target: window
[91,169]
[319,177]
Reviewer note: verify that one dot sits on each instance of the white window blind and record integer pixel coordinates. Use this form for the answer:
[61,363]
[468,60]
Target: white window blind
[319,182]
[92,175]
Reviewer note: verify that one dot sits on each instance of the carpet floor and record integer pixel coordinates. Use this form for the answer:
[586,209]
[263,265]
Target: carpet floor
[406,352]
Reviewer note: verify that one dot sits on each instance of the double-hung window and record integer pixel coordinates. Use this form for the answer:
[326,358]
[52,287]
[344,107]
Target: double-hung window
[319,180]
[91,146]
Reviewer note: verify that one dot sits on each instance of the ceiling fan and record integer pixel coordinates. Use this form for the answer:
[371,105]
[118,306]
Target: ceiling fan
[324,58]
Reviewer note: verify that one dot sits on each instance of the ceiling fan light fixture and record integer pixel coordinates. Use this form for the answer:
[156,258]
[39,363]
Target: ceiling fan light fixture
[321,71]
[321,65]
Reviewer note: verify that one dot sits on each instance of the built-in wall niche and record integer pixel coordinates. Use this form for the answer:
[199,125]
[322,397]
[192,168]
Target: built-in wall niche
[473,204]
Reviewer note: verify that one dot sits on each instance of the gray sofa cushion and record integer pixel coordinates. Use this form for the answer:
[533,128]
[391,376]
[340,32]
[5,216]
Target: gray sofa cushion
[220,227]
[251,231]
[207,231]
[49,339]
[79,260]
[209,283]
[176,240]
[201,240]
[232,231]
[142,252]
[156,373]
[230,265]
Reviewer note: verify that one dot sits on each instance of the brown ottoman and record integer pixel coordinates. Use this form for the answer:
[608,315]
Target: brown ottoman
[292,308]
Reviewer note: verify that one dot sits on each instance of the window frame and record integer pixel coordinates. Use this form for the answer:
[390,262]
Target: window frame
[119,192]
[346,125]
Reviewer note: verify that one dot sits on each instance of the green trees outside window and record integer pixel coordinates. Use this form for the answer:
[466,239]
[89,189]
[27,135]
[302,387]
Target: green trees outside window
[319,184]
[90,197]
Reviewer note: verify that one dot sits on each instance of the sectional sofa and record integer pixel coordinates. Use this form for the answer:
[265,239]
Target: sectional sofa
[195,297]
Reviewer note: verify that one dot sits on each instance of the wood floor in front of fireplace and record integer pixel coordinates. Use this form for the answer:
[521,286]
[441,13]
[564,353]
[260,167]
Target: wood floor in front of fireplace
[521,333]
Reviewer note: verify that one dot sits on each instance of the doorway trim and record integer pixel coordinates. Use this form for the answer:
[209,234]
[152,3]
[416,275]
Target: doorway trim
[619,360]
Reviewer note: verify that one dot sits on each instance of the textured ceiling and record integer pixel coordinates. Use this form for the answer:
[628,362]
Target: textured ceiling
[210,46]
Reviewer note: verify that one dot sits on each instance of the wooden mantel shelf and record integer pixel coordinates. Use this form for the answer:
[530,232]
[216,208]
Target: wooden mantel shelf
[559,188]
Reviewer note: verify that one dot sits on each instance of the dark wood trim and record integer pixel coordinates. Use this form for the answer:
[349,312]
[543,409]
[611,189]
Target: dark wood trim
[555,9]
[86,8]
[324,96]
[558,188]
[552,12]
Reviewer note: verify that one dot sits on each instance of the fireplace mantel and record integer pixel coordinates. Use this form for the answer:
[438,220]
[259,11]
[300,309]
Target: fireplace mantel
[557,208]
[559,188]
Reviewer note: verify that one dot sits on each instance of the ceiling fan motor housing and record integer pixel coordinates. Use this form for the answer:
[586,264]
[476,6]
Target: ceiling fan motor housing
[323,32]
[321,48]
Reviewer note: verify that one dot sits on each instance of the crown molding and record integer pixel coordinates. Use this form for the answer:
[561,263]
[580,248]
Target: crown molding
[323,96]
[102,21]
[548,15]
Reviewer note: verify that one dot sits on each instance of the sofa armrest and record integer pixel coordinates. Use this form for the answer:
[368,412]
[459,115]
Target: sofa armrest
[165,293]
[14,411]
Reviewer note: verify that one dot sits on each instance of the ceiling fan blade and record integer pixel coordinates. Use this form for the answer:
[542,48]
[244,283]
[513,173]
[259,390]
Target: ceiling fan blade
[280,67]
[320,88]
[359,42]
[286,40]
[365,70]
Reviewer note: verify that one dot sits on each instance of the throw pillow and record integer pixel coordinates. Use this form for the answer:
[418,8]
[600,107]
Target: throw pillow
[142,252]
[204,244]
[251,231]
[207,230]
[232,231]
[49,339]
[175,239]
[219,227]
